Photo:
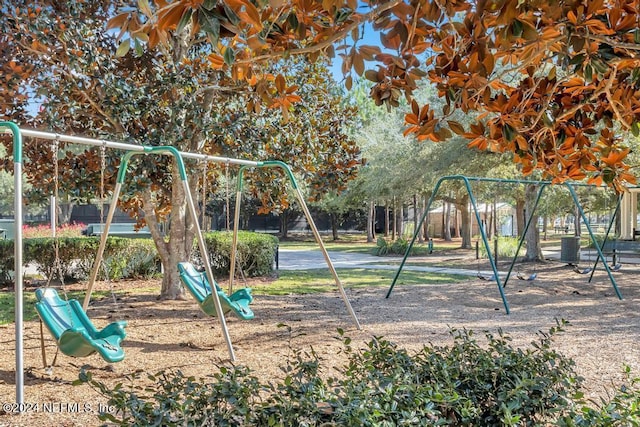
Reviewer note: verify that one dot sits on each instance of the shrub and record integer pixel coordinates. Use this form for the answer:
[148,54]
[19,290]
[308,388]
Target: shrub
[41,252]
[132,258]
[622,409]
[398,247]
[382,248]
[465,385]
[255,253]
[7,262]
[123,258]
[506,247]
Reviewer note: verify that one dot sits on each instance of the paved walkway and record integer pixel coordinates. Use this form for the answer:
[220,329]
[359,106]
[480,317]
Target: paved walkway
[305,259]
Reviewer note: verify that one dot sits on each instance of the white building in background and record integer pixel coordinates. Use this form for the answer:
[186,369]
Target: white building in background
[629,229]
[506,219]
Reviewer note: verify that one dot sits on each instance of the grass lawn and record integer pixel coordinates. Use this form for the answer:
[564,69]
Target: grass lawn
[321,280]
[352,243]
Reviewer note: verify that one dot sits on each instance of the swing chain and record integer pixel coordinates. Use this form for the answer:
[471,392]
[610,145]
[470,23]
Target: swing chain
[103,167]
[57,268]
[204,191]
[56,241]
[228,204]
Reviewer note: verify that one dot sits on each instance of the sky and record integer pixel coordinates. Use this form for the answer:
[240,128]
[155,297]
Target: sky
[369,37]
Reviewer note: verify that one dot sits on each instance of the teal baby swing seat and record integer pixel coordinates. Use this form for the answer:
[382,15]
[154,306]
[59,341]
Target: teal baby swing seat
[74,333]
[198,285]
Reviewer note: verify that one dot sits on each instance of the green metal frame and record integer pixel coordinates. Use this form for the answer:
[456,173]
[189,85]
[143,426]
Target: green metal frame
[17,250]
[616,211]
[502,284]
[312,225]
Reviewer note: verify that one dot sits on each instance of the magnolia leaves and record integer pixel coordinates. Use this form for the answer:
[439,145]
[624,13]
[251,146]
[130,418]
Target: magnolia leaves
[530,72]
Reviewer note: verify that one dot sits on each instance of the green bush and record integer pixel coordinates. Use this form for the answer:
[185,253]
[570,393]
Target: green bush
[506,247]
[123,258]
[465,384]
[7,262]
[255,253]
[397,247]
[132,258]
[382,247]
[40,251]
[622,409]
[400,246]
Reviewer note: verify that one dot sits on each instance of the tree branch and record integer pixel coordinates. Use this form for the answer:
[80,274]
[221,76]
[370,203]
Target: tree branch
[42,55]
[338,35]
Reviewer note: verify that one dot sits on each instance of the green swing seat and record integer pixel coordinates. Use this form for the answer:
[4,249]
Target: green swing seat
[73,331]
[198,285]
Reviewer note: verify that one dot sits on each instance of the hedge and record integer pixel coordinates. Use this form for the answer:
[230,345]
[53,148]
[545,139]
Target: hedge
[255,253]
[133,258]
[381,384]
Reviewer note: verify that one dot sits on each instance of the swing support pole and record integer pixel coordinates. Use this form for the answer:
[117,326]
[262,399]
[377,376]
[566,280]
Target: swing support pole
[572,191]
[234,238]
[287,170]
[17,253]
[606,236]
[103,243]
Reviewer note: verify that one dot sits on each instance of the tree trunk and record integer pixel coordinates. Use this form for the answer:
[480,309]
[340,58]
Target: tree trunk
[488,218]
[495,217]
[334,226]
[394,224]
[520,216]
[417,214]
[371,221]
[465,226]
[284,224]
[179,246]
[400,221]
[427,220]
[386,219]
[64,212]
[446,218]
[534,251]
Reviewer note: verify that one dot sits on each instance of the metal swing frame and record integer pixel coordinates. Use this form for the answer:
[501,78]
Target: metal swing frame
[17,133]
[501,284]
[300,197]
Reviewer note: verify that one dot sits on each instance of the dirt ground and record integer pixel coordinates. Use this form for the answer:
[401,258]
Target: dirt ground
[604,334]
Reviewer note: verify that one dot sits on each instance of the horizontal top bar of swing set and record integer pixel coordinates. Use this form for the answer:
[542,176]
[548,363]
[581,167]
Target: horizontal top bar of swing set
[127,147]
[522,181]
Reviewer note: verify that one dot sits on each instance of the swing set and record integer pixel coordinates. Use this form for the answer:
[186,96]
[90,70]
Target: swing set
[502,283]
[66,320]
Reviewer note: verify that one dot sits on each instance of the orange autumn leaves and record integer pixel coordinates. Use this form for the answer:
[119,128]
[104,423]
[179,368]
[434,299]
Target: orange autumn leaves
[556,83]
